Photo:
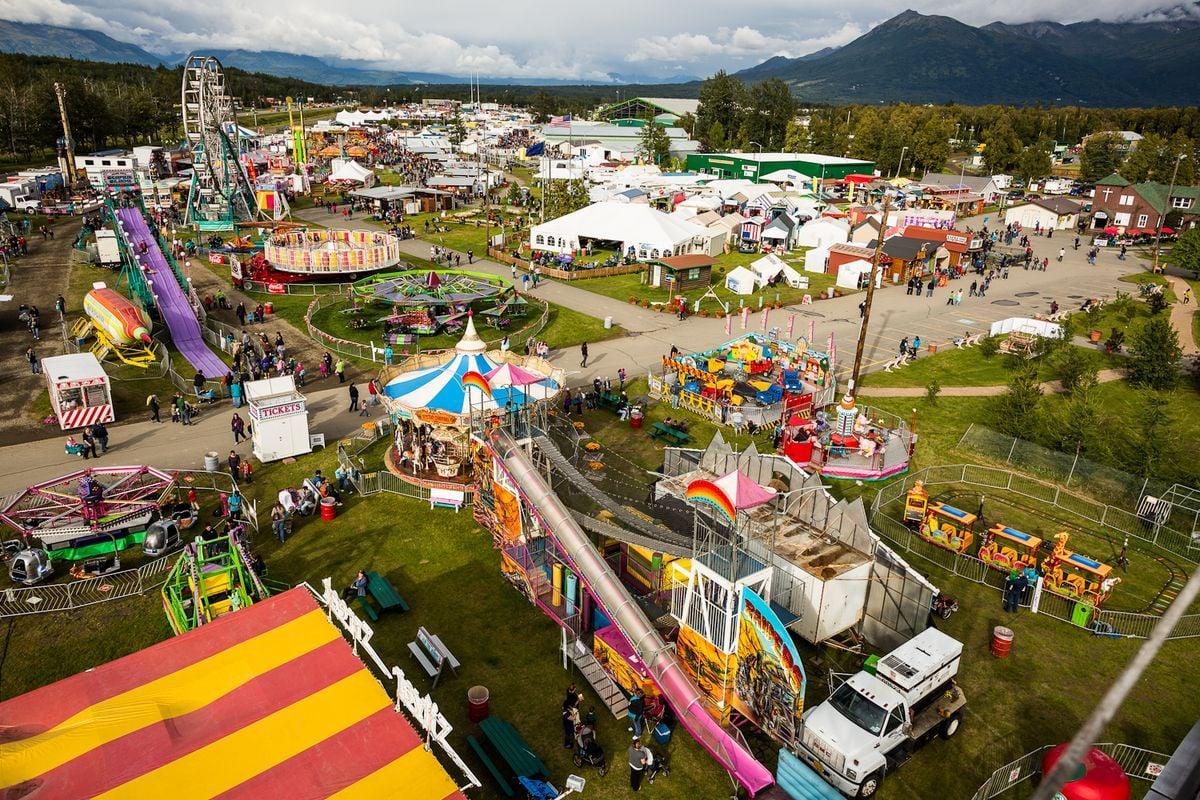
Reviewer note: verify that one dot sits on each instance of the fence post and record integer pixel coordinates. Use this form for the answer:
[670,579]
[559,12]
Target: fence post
[1070,474]
[1011,450]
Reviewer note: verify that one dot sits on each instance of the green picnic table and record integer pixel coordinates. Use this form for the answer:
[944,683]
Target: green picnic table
[515,751]
[382,591]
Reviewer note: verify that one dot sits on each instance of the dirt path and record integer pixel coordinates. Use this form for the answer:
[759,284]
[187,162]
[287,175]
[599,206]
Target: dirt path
[1048,387]
[37,279]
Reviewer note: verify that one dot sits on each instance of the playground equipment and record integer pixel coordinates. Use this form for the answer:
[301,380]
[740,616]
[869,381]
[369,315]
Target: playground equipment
[948,527]
[1006,549]
[1077,576]
[220,193]
[426,302]
[92,512]
[30,566]
[79,391]
[213,577]
[1098,776]
[916,503]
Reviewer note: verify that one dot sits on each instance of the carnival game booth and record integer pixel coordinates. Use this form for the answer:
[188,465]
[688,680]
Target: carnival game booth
[279,416]
[432,400]
[269,701]
[339,254]
[79,390]
[762,377]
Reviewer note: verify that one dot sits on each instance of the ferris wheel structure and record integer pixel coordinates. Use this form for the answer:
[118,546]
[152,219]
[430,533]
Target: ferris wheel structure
[221,194]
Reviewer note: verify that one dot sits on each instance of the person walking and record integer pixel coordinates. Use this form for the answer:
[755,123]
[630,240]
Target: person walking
[637,764]
[247,471]
[235,464]
[353,397]
[89,444]
[340,369]
[35,366]
[60,305]
[241,314]
[1187,295]
[238,426]
[279,521]
[583,351]
[620,379]
[388,355]
[152,404]
[373,391]
[862,309]
[570,720]
[101,434]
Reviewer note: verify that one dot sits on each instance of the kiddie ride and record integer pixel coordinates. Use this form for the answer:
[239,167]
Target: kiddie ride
[89,517]
[1006,549]
[1077,576]
[938,523]
[213,577]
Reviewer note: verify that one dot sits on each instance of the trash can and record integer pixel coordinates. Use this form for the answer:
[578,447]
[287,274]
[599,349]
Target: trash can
[212,460]
[477,703]
[268,307]
[328,508]
[1002,639]
[608,322]
[635,418]
[662,734]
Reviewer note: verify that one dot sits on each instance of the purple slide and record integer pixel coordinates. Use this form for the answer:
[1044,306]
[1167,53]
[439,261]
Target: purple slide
[168,294]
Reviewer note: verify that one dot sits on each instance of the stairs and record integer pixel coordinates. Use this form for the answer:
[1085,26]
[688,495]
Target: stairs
[605,687]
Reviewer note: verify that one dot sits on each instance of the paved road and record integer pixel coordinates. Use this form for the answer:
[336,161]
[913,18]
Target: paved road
[894,316]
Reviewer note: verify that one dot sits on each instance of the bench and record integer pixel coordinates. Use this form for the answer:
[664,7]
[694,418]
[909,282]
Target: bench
[384,593]
[968,341]
[433,655]
[446,498]
[609,400]
[896,363]
[665,433]
[491,766]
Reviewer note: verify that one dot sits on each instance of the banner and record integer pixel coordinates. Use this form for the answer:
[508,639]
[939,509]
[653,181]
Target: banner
[768,685]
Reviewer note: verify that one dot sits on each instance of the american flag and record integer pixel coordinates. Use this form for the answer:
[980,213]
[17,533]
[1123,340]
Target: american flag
[564,120]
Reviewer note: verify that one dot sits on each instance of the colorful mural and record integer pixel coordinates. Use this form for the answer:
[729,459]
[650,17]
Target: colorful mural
[769,680]
[707,666]
[497,506]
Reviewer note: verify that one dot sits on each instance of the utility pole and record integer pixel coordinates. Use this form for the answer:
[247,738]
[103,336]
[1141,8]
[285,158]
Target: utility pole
[1163,217]
[67,151]
[862,333]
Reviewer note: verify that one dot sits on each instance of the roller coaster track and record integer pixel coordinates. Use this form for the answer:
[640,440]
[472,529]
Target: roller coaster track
[1171,588]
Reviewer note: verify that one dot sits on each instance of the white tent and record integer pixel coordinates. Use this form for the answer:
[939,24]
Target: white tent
[767,267]
[793,278]
[637,226]
[816,259]
[347,169]
[740,281]
[851,275]
[822,231]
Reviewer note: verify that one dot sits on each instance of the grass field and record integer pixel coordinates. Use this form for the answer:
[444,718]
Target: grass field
[969,367]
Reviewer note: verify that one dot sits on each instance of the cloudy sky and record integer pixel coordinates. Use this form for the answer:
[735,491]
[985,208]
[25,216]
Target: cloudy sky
[520,38]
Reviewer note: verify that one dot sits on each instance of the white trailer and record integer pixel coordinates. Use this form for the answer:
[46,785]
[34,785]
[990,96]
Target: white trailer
[279,417]
[107,251]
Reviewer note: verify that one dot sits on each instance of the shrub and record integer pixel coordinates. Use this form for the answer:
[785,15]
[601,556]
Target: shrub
[989,346]
[932,390]
[633,300]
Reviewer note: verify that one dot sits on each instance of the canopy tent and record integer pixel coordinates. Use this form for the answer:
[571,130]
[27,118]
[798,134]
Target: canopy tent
[851,274]
[823,231]
[440,388]
[742,492]
[268,701]
[740,281]
[349,170]
[637,226]
[771,265]
[816,259]
[787,176]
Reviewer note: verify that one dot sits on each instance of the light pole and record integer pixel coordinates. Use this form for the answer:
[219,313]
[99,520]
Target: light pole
[903,150]
[758,166]
[866,316]
[1162,217]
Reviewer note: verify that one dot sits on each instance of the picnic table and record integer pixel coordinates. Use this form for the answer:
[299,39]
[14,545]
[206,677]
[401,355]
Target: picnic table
[382,592]
[664,432]
[513,748]
[609,400]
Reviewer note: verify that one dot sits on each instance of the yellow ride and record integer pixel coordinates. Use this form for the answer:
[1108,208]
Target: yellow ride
[1006,548]
[1076,576]
[948,527]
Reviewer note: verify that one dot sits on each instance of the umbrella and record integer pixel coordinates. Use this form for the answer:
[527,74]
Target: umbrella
[508,375]
[1111,230]
[1133,231]
[1169,231]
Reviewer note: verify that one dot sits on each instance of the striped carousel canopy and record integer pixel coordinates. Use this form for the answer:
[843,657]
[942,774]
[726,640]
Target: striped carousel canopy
[440,388]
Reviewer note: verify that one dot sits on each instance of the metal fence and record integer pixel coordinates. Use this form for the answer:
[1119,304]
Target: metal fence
[1072,471]
[1102,622]
[300,289]
[384,480]
[1137,762]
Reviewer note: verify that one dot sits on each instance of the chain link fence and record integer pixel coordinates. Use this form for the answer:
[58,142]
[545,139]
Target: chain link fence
[1138,763]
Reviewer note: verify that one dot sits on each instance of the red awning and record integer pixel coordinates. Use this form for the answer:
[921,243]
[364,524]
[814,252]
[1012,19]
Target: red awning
[1112,230]
[1169,231]
[859,178]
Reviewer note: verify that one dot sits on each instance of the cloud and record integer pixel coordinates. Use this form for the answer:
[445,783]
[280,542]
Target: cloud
[741,42]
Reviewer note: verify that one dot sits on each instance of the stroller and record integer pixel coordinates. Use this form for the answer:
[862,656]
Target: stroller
[588,751]
[659,766]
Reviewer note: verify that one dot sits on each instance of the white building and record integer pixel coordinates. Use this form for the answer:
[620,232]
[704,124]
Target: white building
[636,227]
[1056,213]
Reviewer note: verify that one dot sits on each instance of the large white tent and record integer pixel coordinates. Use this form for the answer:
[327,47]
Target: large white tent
[816,259]
[349,170]
[647,231]
[740,281]
[853,274]
[823,231]
[770,265]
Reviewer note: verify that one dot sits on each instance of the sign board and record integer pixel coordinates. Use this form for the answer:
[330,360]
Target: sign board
[275,287]
[282,410]
[216,258]
[119,178]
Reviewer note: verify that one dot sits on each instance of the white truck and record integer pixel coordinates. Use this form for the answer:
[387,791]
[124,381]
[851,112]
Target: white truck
[107,251]
[871,724]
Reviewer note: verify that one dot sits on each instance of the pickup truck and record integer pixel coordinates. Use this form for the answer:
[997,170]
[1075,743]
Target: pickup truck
[872,723]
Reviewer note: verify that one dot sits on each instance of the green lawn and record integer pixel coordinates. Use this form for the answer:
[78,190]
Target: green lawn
[270,120]
[1142,278]
[968,367]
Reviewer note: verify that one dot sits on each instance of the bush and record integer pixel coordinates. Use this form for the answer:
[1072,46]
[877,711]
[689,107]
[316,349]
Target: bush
[932,390]
[989,346]
[645,304]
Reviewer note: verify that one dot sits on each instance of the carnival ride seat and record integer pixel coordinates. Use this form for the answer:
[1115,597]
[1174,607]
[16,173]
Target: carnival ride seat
[772,394]
[792,382]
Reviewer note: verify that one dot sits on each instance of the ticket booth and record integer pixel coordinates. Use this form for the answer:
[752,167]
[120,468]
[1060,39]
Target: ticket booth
[279,416]
[79,391]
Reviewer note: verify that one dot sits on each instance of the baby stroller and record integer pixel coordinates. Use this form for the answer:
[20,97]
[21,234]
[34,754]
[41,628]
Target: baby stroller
[588,751]
[659,765]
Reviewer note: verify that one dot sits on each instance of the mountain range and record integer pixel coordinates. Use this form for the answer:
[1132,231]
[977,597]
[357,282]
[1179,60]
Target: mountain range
[933,59]
[912,58]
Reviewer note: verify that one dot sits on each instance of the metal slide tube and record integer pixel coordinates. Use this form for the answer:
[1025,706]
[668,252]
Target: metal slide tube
[618,605]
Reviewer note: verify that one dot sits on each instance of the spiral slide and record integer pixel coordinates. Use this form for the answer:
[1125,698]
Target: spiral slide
[620,607]
[172,303]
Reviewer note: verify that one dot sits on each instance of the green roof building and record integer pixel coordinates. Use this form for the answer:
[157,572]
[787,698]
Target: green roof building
[634,111]
[754,166]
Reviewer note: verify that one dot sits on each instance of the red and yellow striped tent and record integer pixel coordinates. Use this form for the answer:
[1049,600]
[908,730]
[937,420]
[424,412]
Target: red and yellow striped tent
[266,703]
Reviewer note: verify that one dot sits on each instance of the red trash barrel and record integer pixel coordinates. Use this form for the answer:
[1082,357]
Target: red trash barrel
[328,508]
[477,703]
[635,418]
[268,307]
[1002,639]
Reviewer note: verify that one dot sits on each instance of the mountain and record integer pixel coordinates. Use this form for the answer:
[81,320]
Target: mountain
[934,59]
[51,40]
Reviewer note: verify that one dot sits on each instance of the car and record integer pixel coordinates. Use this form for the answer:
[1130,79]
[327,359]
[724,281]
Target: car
[1015,194]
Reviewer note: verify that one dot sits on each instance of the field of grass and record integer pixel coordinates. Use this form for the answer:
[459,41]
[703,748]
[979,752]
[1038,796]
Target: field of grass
[273,120]
[969,367]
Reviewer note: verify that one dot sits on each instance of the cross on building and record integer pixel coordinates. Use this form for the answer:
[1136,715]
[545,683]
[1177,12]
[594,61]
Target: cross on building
[1107,192]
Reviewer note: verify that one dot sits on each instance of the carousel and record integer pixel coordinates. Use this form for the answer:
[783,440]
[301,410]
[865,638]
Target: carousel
[433,401]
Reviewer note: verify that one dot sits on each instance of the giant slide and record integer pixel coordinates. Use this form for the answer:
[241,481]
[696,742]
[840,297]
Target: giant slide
[172,302]
[621,608]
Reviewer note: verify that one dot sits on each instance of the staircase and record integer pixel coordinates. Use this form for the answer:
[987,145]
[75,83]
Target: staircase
[605,687]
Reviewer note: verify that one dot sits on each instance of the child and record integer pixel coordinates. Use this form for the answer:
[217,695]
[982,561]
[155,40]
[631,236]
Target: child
[247,471]
[193,500]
